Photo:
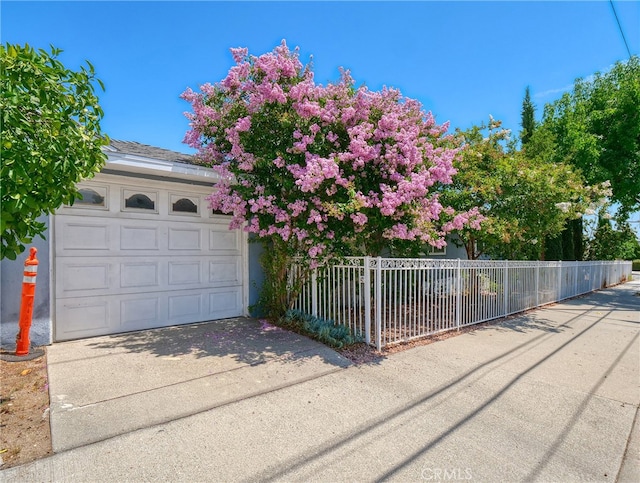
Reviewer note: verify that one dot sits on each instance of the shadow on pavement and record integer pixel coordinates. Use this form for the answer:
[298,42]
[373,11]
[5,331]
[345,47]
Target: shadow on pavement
[247,341]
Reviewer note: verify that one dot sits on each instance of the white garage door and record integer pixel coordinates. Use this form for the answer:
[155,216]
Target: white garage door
[138,254]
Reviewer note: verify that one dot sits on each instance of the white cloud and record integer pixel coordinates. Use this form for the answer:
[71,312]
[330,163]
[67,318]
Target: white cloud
[552,91]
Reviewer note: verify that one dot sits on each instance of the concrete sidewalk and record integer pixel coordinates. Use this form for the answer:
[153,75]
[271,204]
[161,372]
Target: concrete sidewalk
[551,395]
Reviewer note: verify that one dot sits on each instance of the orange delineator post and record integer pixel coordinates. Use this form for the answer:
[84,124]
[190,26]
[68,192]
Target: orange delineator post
[26,306]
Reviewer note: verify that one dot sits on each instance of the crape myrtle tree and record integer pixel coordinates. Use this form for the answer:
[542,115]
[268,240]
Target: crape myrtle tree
[51,139]
[320,171]
[525,199]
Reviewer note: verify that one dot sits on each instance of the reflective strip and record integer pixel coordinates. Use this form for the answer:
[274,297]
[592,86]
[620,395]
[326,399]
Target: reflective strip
[29,279]
[31,268]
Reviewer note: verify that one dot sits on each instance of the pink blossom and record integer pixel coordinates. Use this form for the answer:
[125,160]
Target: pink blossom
[331,160]
[239,54]
[243,124]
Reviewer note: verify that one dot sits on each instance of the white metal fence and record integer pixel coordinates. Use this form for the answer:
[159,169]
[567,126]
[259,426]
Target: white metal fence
[389,300]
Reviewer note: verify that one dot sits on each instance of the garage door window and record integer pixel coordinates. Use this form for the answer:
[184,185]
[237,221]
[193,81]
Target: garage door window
[92,197]
[140,201]
[184,205]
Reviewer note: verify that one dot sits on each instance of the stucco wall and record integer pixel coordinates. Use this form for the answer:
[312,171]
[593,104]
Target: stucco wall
[453,252]
[11,273]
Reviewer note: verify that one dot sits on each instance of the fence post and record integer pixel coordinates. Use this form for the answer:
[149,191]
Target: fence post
[367,300]
[505,281]
[575,282]
[601,275]
[458,294]
[379,303]
[559,280]
[538,283]
[314,292]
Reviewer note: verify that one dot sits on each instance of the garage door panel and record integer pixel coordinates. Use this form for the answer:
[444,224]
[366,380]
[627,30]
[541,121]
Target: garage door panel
[91,276]
[139,238]
[88,276]
[185,239]
[223,241]
[185,273]
[225,271]
[76,235]
[185,306]
[139,274]
[118,237]
[140,312]
[224,303]
[83,318]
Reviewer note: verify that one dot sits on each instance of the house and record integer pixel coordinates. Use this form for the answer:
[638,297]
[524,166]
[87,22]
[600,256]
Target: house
[140,250]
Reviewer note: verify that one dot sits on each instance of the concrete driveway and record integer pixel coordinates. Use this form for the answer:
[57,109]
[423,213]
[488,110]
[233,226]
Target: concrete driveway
[551,395]
[107,386]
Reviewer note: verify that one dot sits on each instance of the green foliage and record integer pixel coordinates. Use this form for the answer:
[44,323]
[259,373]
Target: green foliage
[51,139]
[596,128]
[577,228]
[325,331]
[635,266]
[554,248]
[528,122]
[613,243]
[282,280]
[526,198]
[568,245]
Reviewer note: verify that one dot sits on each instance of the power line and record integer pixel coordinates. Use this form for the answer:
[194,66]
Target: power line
[620,27]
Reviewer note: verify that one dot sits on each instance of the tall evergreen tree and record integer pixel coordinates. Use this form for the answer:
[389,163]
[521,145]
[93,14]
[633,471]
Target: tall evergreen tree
[528,122]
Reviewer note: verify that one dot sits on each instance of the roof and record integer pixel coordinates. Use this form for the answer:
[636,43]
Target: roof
[138,149]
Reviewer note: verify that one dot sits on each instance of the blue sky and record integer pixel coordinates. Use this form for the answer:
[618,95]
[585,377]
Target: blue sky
[462,60]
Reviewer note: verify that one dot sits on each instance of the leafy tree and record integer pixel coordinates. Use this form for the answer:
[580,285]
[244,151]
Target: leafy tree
[596,128]
[612,243]
[524,199]
[51,139]
[318,171]
[528,122]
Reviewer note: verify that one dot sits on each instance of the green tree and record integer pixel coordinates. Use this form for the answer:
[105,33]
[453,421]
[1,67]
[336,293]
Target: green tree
[596,128]
[525,199]
[528,122]
[610,242]
[51,139]
[568,245]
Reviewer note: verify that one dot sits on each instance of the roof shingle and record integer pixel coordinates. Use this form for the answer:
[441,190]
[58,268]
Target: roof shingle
[132,147]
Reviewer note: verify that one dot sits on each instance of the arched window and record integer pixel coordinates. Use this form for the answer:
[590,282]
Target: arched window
[140,201]
[185,205]
[88,196]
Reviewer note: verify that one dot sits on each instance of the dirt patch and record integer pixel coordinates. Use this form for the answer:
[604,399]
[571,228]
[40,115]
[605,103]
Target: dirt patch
[25,434]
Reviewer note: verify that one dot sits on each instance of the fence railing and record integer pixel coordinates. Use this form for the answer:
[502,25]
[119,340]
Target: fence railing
[390,300]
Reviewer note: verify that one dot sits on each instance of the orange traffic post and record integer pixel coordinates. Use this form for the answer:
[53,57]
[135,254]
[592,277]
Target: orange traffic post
[26,306]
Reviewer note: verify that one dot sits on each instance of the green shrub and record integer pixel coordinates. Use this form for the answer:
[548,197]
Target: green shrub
[325,331]
[635,266]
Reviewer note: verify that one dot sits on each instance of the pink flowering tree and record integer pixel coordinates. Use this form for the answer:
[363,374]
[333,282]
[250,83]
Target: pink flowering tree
[321,171]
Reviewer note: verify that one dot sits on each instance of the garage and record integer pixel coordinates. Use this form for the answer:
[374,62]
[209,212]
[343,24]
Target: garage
[141,251]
